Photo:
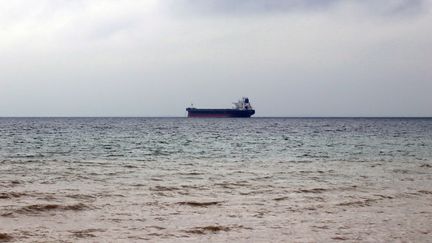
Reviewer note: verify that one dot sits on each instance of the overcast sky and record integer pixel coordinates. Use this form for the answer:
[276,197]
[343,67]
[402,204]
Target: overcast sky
[156,57]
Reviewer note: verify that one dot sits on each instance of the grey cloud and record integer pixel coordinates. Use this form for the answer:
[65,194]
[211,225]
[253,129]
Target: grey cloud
[385,7]
[248,6]
[408,7]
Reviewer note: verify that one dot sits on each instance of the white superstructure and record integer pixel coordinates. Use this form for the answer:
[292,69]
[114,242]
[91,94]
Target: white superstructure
[243,104]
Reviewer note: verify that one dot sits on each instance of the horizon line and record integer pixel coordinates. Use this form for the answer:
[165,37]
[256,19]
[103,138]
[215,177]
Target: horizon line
[329,117]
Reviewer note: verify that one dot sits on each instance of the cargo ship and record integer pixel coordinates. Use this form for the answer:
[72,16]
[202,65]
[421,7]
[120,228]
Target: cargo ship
[242,108]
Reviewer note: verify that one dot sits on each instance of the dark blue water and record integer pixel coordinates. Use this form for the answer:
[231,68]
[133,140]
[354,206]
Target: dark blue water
[220,139]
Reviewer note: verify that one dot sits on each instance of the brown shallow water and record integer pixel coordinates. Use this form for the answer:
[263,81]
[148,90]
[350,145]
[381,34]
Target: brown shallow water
[210,201]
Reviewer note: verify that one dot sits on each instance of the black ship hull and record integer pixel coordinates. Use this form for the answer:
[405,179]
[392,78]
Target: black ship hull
[219,113]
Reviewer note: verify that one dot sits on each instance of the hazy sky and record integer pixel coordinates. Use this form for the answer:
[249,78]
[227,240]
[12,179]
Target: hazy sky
[155,57]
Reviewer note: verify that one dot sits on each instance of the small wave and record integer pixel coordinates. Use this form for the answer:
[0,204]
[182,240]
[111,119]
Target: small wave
[81,196]
[199,204]
[138,185]
[321,190]
[10,195]
[313,190]
[360,203]
[85,233]
[37,208]
[339,238]
[384,196]
[402,171]
[5,237]
[215,229]
[130,166]
[208,229]
[156,227]
[164,188]
[280,198]
[191,173]
[161,235]
[194,187]
[232,185]
[12,183]
[424,192]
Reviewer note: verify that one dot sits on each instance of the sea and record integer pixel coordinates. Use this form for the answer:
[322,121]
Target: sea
[216,180]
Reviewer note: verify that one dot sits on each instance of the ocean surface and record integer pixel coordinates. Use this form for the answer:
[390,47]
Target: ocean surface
[244,180]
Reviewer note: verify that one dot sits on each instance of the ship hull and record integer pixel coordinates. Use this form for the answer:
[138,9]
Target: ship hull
[219,113]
